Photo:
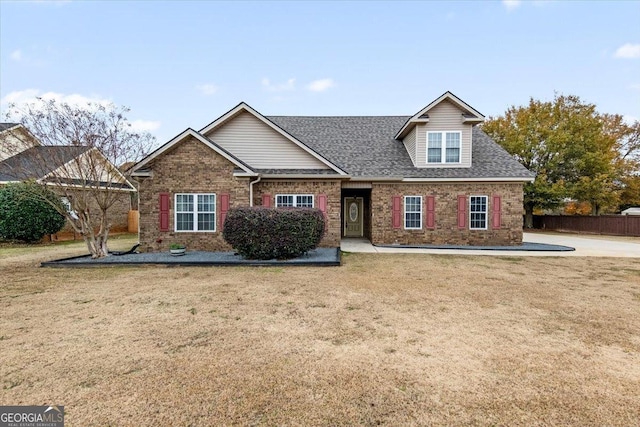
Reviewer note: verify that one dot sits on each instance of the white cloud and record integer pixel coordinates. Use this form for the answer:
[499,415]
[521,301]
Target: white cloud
[29,96]
[207,89]
[320,85]
[16,55]
[279,87]
[628,51]
[144,125]
[511,4]
[634,86]
[75,99]
[19,97]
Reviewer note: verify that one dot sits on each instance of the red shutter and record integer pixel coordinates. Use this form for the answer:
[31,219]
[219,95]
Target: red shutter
[496,217]
[431,212]
[322,203]
[266,200]
[224,208]
[396,217]
[164,211]
[462,211]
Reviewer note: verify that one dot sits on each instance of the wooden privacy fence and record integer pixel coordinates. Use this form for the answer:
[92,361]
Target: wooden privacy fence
[132,221]
[618,225]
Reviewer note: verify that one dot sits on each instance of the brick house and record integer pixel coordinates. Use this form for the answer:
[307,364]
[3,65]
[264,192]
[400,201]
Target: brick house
[430,178]
[23,158]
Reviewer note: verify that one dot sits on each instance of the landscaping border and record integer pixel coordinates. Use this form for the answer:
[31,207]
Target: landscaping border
[319,257]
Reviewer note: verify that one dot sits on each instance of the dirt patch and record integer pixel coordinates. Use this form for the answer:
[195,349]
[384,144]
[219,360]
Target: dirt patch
[385,339]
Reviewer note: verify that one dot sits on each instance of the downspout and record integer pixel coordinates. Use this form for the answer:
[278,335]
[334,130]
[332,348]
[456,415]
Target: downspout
[251,189]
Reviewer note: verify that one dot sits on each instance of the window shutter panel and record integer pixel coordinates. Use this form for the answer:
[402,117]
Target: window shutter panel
[462,212]
[164,211]
[322,203]
[266,200]
[396,217]
[496,206]
[431,212]
[224,208]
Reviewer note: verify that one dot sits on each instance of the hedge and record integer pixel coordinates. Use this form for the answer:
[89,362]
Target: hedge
[268,233]
[27,214]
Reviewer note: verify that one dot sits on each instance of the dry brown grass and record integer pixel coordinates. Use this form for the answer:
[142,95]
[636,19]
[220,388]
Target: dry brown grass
[385,339]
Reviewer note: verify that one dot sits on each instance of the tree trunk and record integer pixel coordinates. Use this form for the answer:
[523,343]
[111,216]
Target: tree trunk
[97,242]
[528,216]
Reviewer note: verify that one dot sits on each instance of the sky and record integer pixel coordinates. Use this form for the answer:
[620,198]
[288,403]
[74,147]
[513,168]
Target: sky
[180,64]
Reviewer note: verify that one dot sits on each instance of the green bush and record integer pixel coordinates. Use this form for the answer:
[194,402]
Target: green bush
[268,233]
[25,213]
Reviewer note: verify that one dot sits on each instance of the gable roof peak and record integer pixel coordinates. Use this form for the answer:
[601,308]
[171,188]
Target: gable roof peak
[7,126]
[469,114]
[244,107]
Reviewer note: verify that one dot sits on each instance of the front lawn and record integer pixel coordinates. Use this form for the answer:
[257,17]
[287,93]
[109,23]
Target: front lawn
[384,339]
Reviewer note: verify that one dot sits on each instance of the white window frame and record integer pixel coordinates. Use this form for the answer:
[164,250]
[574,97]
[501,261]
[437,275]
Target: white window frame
[295,200]
[486,213]
[443,147]
[195,213]
[418,212]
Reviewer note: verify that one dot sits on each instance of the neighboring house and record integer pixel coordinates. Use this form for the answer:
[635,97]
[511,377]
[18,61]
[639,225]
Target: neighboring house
[430,178]
[23,158]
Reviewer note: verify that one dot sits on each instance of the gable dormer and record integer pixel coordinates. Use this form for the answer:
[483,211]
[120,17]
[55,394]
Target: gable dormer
[440,135]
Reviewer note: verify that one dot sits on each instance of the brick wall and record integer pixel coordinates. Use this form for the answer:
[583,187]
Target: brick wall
[331,188]
[190,167]
[446,207]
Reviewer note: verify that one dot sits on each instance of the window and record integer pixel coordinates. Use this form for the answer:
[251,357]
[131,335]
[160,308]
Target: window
[452,154]
[434,151]
[195,212]
[294,200]
[413,212]
[478,212]
[451,151]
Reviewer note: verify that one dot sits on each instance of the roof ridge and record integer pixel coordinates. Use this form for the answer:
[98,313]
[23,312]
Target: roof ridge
[340,117]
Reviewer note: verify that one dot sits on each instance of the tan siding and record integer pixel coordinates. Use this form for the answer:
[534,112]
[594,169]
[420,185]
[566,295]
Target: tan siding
[261,147]
[14,141]
[409,142]
[444,117]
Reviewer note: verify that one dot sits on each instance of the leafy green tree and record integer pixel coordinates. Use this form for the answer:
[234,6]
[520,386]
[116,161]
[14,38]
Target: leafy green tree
[567,144]
[28,212]
[629,192]
[627,162]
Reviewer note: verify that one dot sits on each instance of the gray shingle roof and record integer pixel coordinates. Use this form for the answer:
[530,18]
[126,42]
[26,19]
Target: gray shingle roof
[5,126]
[364,146]
[36,162]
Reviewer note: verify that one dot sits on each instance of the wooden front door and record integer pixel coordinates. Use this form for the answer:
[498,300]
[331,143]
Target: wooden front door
[353,217]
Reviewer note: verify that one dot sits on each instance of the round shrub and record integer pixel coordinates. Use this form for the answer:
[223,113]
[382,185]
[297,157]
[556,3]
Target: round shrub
[268,233]
[25,213]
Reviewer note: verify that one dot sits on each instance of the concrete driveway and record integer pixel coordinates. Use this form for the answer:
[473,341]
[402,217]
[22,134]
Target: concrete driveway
[585,245]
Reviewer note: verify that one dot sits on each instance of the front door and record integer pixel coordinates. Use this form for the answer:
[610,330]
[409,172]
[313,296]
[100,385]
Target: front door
[353,217]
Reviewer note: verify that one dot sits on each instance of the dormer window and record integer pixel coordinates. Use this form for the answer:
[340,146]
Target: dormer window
[447,153]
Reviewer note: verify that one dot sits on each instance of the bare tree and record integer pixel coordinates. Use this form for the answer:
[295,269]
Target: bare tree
[77,156]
